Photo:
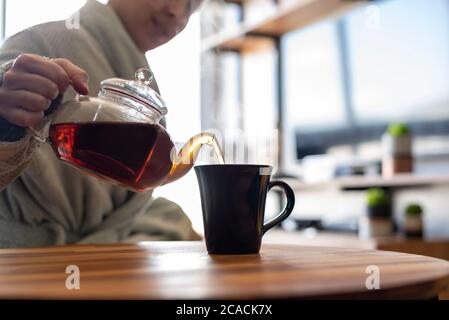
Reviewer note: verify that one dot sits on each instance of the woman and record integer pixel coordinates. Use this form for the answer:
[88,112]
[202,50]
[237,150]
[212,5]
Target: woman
[45,202]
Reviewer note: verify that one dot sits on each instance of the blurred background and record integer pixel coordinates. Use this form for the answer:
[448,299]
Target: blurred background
[348,98]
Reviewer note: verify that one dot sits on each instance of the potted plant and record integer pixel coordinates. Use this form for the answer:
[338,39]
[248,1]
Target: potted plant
[378,203]
[397,150]
[378,219]
[413,225]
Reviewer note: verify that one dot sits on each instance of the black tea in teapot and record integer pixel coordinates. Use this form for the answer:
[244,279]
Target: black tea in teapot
[138,156]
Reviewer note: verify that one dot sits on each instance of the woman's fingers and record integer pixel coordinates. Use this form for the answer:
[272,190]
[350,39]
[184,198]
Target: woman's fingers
[27,100]
[78,76]
[29,63]
[21,117]
[32,83]
[15,80]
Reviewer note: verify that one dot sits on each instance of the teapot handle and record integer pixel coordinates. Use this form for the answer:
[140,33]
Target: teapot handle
[39,136]
[40,130]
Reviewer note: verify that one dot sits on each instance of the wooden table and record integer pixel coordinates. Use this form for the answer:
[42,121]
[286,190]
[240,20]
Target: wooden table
[184,270]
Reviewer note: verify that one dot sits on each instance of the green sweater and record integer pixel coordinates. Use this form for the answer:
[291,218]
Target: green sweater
[46,202]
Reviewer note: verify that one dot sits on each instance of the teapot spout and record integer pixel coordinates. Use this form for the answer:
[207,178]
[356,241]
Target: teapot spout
[185,159]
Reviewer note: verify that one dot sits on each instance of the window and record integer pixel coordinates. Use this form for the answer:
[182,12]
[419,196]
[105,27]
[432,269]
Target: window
[346,80]
[313,87]
[259,95]
[400,70]
[314,99]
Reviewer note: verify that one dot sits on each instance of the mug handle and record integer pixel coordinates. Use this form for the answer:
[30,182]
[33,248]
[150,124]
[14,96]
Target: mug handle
[287,209]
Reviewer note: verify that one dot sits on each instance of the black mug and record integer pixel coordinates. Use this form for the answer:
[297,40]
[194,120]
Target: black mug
[233,201]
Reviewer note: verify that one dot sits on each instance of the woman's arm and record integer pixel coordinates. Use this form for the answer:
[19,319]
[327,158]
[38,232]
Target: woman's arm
[29,84]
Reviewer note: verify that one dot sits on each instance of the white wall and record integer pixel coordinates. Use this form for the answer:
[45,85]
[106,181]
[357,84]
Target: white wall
[176,66]
[21,14]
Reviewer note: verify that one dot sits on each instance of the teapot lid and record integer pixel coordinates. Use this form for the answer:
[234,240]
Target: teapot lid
[138,89]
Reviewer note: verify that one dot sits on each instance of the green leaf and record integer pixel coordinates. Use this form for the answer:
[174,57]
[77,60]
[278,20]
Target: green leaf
[376,197]
[398,129]
[413,209]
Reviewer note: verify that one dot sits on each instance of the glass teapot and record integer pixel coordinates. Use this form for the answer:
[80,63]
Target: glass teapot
[118,137]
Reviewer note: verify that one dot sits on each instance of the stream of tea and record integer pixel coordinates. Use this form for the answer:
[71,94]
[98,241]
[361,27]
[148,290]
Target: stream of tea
[136,155]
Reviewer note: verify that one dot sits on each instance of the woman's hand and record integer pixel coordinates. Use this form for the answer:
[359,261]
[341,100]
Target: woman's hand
[32,83]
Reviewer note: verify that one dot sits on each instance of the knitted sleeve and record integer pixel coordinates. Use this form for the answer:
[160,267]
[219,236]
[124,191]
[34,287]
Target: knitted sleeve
[16,145]
[8,131]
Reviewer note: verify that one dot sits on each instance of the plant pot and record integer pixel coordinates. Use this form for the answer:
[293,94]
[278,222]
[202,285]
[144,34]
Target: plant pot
[396,146]
[396,165]
[397,155]
[413,226]
[379,211]
[370,227]
[377,222]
